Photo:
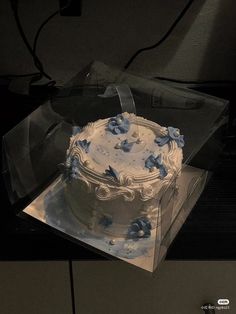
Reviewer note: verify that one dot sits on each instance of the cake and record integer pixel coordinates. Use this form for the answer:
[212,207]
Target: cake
[118,172]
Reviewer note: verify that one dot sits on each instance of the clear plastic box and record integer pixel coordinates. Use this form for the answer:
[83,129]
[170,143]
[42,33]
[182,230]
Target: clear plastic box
[35,151]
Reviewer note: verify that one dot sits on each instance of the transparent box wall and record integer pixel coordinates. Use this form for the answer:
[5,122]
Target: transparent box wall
[34,154]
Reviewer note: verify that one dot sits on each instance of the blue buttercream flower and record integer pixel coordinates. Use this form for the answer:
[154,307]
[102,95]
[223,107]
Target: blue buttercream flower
[126,146]
[74,168]
[74,162]
[118,125]
[70,169]
[173,134]
[156,161]
[84,144]
[74,173]
[112,173]
[105,221]
[140,228]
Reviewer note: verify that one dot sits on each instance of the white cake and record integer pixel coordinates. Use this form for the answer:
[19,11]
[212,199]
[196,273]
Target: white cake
[119,172]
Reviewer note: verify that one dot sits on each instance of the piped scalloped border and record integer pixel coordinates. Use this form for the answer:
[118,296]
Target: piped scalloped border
[97,177]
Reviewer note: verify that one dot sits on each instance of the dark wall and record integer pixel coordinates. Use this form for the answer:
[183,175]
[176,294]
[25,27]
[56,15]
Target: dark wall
[202,46]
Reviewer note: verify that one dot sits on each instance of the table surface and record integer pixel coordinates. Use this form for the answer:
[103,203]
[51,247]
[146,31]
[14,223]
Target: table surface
[85,287]
[208,233]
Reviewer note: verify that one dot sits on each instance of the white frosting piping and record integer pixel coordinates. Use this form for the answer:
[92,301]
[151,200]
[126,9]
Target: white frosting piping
[104,187]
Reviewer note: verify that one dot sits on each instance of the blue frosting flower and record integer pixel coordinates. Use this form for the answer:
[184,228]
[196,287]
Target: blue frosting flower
[118,125]
[76,130]
[84,144]
[126,146]
[105,221]
[140,228]
[74,169]
[173,134]
[156,161]
[70,170]
[112,173]
[74,173]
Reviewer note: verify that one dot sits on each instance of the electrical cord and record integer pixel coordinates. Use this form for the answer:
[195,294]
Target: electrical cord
[164,37]
[33,50]
[39,65]
[41,27]
[37,62]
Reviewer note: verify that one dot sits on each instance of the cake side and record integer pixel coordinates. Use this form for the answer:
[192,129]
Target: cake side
[118,177]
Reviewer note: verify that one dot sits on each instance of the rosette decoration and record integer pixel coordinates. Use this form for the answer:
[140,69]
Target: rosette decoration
[173,134]
[156,161]
[140,228]
[102,192]
[146,192]
[118,125]
[84,144]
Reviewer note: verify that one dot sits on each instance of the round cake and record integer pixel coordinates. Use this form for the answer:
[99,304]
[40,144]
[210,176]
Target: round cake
[118,171]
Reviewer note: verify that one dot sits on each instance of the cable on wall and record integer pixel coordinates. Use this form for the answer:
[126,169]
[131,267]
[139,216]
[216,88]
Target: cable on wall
[41,27]
[164,37]
[37,62]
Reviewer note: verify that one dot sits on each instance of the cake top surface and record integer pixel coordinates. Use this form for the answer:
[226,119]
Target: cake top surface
[127,144]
